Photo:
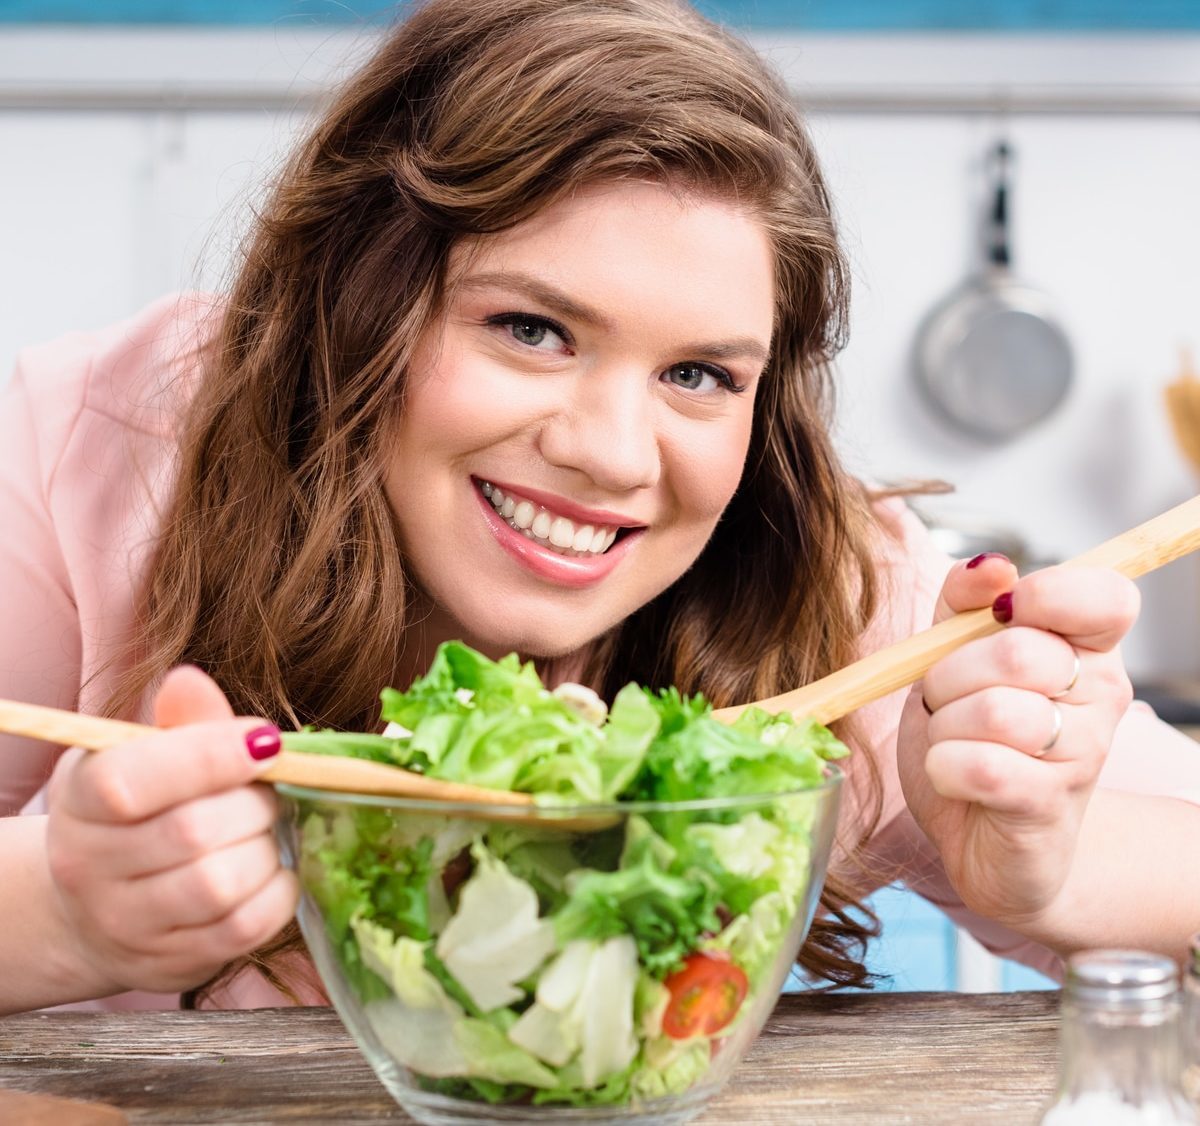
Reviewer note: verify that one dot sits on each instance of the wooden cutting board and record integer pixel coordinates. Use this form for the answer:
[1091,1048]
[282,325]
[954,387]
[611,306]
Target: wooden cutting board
[48,1110]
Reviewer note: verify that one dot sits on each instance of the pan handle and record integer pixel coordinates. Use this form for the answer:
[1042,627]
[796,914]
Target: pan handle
[998,253]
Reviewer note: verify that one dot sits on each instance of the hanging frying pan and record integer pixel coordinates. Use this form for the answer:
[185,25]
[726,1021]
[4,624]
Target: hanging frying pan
[991,358]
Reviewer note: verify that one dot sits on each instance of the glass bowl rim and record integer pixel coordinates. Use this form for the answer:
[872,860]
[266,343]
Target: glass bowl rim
[554,812]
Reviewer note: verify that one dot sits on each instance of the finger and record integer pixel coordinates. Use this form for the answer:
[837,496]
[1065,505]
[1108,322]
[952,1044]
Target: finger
[252,923]
[1029,659]
[210,887]
[973,583]
[1092,607]
[991,775]
[186,956]
[189,695]
[63,768]
[165,768]
[179,835]
[1025,721]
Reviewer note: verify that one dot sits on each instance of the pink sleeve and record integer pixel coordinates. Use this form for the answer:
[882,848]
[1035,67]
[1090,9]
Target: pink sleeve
[39,626]
[87,440]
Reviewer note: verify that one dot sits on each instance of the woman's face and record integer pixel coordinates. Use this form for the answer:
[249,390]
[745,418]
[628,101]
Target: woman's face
[578,420]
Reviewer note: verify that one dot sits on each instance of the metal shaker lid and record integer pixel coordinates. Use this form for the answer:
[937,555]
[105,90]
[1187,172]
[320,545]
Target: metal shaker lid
[1120,977]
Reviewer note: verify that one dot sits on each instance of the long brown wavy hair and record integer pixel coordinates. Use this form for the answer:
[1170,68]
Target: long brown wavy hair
[279,570]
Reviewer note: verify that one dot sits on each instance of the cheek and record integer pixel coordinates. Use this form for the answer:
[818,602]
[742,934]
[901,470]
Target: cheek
[445,409]
[710,473]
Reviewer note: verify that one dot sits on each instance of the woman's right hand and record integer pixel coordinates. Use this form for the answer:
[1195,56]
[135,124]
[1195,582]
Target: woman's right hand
[161,850]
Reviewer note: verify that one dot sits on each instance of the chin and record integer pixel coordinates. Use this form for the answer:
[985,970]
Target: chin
[530,643]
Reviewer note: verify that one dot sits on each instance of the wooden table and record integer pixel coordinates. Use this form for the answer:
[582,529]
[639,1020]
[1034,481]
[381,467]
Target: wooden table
[859,1058]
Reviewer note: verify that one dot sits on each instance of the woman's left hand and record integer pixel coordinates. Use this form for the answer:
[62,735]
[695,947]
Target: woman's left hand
[1000,746]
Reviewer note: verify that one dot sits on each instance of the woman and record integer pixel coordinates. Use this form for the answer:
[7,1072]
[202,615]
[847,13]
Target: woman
[530,347]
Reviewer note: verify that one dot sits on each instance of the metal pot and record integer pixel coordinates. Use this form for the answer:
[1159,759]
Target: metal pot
[964,535]
[991,358]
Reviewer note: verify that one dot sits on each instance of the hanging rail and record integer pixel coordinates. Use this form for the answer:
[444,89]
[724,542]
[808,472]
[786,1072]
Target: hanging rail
[1066,101]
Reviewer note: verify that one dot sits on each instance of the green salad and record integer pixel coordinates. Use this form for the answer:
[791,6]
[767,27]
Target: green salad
[514,962]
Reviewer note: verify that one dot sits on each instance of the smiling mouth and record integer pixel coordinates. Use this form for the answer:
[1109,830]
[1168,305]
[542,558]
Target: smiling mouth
[547,529]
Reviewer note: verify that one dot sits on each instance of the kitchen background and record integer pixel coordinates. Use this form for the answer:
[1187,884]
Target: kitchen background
[136,134]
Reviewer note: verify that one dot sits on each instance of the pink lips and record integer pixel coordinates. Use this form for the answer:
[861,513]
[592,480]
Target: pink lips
[564,570]
[560,506]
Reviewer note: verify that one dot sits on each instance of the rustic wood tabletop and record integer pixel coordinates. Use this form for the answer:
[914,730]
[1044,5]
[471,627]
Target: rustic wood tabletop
[858,1058]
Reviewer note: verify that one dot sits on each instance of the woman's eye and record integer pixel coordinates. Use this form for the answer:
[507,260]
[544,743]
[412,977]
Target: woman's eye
[533,332]
[704,378]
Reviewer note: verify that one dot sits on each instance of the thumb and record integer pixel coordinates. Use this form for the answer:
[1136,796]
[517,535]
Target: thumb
[974,583]
[189,695]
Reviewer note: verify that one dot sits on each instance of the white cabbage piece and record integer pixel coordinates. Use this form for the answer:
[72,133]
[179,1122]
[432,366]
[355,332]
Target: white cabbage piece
[400,962]
[583,701]
[608,1040]
[422,1039]
[584,1007]
[425,1029]
[495,938]
[440,1044]
[745,848]
[417,1026]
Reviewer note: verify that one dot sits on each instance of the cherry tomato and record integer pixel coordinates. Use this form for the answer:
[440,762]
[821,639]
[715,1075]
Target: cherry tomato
[706,993]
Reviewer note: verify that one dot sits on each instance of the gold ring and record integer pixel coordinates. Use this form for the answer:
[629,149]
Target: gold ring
[1074,678]
[1058,726]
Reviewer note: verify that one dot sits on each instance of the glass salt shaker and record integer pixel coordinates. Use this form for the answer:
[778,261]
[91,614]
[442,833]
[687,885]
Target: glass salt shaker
[1191,1022]
[1119,1042]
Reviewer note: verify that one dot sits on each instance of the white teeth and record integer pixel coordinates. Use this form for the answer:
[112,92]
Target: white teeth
[562,532]
[542,527]
[524,514]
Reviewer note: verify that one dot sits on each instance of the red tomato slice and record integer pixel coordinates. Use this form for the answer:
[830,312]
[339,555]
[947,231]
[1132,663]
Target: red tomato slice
[706,993]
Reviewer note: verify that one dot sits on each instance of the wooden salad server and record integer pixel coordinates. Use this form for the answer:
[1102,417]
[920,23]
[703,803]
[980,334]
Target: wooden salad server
[296,768]
[1134,553]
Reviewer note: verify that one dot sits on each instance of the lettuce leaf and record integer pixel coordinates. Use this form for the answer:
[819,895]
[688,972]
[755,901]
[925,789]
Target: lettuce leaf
[356,867]
[665,911]
[493,724]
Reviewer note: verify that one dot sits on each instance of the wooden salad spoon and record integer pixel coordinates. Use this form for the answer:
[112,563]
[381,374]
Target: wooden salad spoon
[295,768]
[1137,552]
[1133,553]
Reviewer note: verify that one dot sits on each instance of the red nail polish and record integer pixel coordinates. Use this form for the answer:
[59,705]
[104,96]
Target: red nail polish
[1002,608]
[973,563]
[263,742]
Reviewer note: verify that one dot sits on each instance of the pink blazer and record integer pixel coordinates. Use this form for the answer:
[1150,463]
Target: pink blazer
[87,430]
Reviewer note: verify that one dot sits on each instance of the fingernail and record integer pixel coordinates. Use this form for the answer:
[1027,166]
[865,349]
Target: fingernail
[1002,607]
[973,563]
[263,742]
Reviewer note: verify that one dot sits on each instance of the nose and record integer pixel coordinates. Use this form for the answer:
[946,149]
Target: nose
[606,428]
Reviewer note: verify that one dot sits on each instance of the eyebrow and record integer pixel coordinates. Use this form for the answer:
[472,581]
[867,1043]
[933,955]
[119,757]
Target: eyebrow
[568,307]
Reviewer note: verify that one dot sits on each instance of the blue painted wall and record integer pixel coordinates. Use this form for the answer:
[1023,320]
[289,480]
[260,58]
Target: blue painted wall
[816,15]
[918,951]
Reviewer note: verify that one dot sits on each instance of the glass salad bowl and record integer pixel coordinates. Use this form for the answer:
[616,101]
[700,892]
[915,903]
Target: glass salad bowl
[595,963]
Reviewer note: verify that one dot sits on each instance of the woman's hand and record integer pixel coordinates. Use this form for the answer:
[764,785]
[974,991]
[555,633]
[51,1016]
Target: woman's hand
[1000,746]
[161,851]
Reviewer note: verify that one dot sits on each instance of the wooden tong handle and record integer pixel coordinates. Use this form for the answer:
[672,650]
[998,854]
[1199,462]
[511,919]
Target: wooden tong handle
[321,772]
[1133,553]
